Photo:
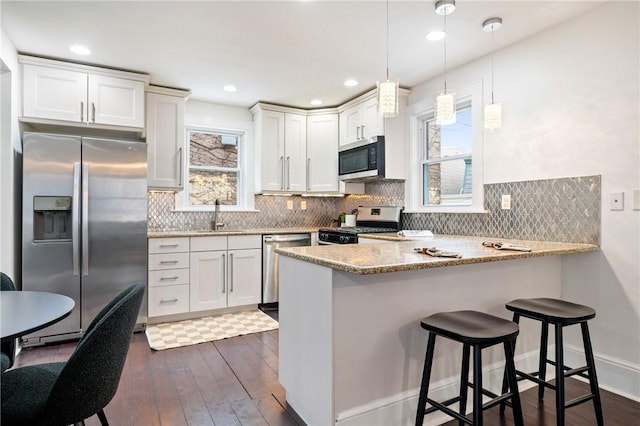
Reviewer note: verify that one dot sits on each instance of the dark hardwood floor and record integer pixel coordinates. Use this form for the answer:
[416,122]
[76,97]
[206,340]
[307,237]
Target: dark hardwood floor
[235,382]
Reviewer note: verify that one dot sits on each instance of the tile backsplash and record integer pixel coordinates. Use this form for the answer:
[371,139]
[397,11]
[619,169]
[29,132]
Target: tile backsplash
[564,210]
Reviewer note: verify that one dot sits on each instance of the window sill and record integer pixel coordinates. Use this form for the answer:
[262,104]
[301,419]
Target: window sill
[448,209]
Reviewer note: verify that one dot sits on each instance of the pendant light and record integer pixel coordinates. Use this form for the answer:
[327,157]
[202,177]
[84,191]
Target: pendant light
[446,101]
[388,90]
[492,111]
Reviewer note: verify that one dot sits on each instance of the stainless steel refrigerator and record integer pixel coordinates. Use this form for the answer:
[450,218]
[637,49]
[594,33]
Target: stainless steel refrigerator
[84,228]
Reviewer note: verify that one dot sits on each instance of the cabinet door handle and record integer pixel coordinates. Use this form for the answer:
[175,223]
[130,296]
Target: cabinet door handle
[168,245]
[174,300]
[231,272]
[93,112]
[308,174]
[288,173]
[224,273]
[281,173]
[358,133]
[175,277]
[81,112]
[168,262]
[180,166]
[362,127]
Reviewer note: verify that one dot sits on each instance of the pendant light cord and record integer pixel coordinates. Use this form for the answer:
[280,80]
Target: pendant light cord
[492,64]
[387,40]
[445,53]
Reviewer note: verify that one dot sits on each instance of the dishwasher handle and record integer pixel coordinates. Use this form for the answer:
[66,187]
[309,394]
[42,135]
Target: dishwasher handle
[285,238]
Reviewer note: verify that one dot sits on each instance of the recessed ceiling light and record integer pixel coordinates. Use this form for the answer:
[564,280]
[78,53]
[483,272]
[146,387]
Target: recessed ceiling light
[351,83]
[80,50]
[435,35]
[316,102]
[230,88]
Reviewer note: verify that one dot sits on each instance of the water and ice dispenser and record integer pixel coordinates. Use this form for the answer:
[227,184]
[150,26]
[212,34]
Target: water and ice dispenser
[51,218]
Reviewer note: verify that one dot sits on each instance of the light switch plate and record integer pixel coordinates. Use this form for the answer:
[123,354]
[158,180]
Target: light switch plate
[617,201]
[506,201]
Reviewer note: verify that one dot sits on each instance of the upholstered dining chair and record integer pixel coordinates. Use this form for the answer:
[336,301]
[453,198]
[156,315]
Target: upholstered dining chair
[64,393]
[7,349]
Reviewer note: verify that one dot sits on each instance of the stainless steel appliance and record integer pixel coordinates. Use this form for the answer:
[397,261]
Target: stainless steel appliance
[362,160]
[270,263]
[369,220]
[84,233]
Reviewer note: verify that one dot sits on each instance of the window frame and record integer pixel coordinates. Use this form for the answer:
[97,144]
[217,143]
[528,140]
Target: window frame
[423,110]
[182,197]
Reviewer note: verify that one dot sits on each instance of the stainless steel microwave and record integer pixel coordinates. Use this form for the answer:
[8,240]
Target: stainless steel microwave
[362,160]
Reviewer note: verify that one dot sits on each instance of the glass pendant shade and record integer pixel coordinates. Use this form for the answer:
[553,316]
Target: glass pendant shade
[445,109]
[492,116]
[388,98]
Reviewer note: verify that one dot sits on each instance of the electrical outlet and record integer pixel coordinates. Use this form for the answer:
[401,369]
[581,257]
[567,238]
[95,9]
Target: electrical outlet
[617,201]
[506,201]
[303,205]
[289,204]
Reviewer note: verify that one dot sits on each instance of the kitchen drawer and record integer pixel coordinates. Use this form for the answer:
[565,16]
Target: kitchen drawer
[168,300]
[168,245]
[208,243]
[239,242]
[168,277]
[168,261]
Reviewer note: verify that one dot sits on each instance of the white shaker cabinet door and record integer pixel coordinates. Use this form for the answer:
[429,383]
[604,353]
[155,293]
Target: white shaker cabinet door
[207,280]
[245,277]
[54,94]
[165,140]
[271,133]
[322,153]
[295,150]
[116,101]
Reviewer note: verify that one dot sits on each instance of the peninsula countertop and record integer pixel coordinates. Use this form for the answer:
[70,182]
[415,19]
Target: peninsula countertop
[363,259]
[223,232]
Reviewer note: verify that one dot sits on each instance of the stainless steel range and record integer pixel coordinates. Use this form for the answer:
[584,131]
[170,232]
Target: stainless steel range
[369,220]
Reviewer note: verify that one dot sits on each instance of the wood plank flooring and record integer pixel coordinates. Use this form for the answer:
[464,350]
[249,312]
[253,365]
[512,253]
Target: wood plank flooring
[235,382]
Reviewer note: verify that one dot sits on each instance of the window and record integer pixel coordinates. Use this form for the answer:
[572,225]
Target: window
[213,169]
[447,164]
[446,169]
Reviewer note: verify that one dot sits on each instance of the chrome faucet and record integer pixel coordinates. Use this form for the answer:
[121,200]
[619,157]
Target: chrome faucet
[216,225]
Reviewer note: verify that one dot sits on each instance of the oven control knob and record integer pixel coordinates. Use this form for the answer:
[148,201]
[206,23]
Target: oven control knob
[343,238]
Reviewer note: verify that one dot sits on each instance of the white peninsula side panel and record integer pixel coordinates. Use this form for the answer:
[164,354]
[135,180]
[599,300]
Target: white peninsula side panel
[351,346]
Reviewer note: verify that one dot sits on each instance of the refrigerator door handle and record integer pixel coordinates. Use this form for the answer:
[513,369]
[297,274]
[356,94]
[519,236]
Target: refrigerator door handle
[85,219]
[75,219]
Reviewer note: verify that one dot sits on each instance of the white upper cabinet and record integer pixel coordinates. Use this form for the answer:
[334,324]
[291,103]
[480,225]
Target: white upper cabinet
[80,94]
[282,137]
[361,121]
[165,137]
[322,153]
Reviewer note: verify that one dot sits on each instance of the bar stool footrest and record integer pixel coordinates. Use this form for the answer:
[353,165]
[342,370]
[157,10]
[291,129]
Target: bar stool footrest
[445,403]
[533,378]
[579,400]
[448,411]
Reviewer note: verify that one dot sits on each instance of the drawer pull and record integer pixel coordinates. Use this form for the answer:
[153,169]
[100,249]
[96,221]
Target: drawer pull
[168,262]
[168,301]
[168,245]
[169,278]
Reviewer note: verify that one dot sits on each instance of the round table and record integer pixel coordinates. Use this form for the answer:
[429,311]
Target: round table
[23,312]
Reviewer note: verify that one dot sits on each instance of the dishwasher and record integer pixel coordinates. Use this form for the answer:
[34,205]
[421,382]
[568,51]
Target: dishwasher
[270,263]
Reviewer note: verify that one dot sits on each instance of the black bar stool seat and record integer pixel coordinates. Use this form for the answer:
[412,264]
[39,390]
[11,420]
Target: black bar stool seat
[559,313]
[477,330]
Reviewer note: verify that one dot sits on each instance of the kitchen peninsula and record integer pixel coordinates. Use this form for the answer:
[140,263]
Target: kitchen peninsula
[351,347]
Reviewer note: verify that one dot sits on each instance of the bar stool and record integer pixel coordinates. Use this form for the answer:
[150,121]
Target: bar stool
[560,314]
[477,330]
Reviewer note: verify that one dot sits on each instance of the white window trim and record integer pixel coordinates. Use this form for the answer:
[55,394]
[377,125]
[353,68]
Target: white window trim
[418,113]
[245,194]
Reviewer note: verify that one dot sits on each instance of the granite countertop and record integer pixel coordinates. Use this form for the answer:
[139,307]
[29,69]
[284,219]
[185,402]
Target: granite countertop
[365,259]
[223,232]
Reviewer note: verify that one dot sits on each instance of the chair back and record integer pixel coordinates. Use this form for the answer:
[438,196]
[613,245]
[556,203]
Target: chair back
[9,347]
[90,378]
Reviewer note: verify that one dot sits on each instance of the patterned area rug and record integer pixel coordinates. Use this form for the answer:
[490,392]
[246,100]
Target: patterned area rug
[206,329]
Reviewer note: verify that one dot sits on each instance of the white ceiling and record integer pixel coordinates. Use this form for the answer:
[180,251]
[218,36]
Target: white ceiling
[285,52]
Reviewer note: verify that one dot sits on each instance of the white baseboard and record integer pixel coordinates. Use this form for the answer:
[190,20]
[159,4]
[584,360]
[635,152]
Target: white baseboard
[400,409]
[615,375]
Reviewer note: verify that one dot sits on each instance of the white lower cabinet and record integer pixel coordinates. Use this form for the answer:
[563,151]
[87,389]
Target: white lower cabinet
[168,276]
[225,271]
[204,273]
